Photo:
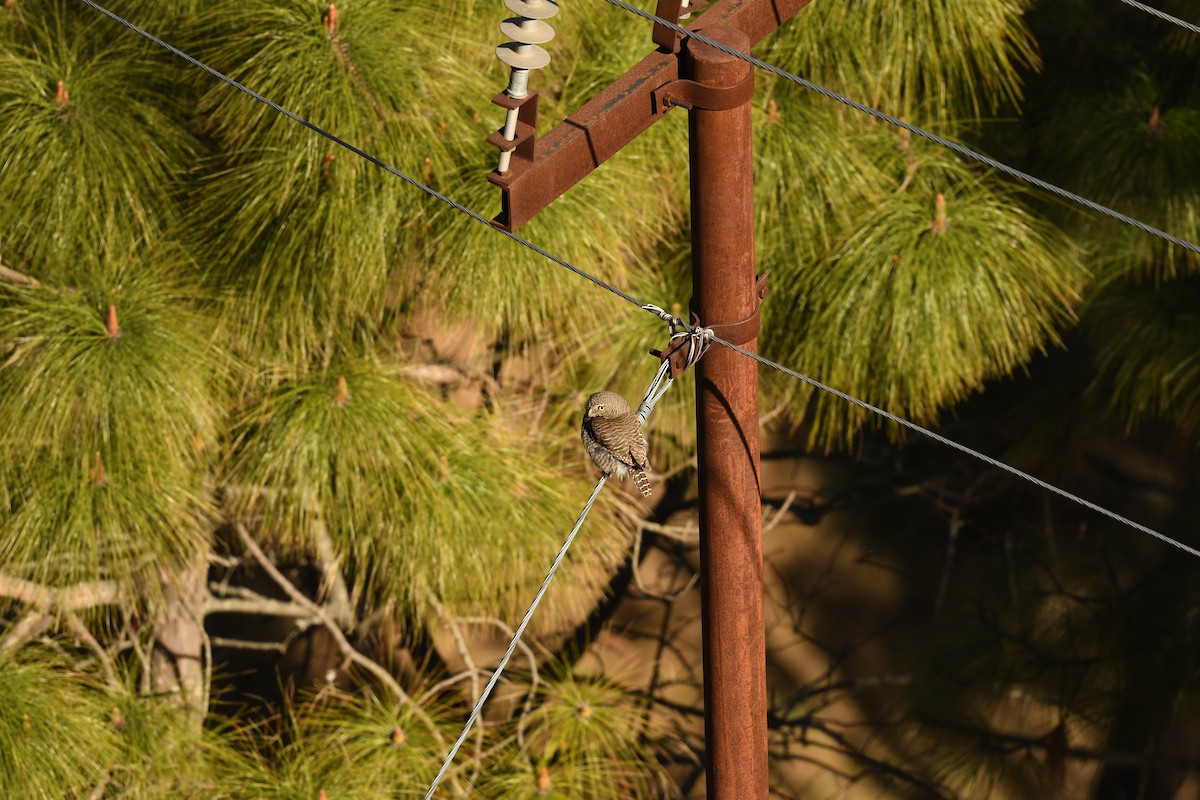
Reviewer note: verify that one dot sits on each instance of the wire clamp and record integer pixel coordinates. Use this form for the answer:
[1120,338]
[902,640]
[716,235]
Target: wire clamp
[744,331]
[687,345]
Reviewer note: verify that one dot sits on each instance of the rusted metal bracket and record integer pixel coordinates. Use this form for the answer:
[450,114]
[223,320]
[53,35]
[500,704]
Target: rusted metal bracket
[689,94]
[744,331]
[739,333]
[523,144]
[617,115]
[668,38]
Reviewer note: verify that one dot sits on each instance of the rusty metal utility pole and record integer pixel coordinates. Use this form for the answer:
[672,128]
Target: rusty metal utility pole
[716,88]
[724,294]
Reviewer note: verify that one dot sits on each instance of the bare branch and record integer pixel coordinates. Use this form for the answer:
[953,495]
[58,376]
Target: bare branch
[688,534]
[229,562]
[333,592]
[246,644]
[100,788]
[78,597]
[442,685]
[783,509]
[263,606]
[298,597]
[460,644]
[30,626]
[9,274]
[82,633]
[645,590]
[339,638]
[524,648]
[465,653]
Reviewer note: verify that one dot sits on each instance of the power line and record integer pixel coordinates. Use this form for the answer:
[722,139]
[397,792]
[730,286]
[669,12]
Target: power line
[1162,15]
[655,310]
[962,448]
[658,387]
[962,150]
[429,190]
[512,646]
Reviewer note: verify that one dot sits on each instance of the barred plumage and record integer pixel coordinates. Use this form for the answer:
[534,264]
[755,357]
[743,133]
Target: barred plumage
[613,437]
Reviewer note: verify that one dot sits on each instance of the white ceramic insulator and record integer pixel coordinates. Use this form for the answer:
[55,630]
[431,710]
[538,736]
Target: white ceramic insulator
[527,31]
[518,84]
[534,9]
[523,56]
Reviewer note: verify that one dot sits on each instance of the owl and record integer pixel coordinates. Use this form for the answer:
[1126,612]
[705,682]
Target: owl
[613,437]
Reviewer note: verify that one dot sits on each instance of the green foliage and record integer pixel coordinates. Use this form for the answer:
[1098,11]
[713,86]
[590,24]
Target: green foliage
[587,716]
[376,747]
[292,299]
[94,164]
[585,738]
[427,500]
[1139,383]
[108,410]
[1137,153]
[815,175]
[258,274]
[299,234]
[55,736]
[164,755]
[917,57]
[948,283]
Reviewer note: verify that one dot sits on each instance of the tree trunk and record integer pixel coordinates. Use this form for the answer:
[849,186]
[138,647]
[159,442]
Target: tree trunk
[178,660]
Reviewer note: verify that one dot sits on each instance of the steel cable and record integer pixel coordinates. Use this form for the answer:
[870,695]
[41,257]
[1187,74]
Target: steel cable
[1163,15]
[429,190]
[962,150]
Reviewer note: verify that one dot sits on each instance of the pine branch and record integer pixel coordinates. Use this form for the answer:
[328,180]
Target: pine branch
[339,638]
[82,633]
[9,274]
[31,625]
[258,605]
[78,597]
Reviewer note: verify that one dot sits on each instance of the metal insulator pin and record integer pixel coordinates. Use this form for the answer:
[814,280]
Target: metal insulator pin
[527,30]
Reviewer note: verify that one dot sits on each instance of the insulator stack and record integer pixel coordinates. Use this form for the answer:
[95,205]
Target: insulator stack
[527,30]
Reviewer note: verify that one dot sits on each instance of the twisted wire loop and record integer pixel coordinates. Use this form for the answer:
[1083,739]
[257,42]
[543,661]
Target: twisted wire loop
[692,340]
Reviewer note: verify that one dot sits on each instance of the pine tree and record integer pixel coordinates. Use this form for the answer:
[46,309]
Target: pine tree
[263,403]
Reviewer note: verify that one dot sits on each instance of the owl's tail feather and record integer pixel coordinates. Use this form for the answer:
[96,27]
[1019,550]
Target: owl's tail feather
[642,481]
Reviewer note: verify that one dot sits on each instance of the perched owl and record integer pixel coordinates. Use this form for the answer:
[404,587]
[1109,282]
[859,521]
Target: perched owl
[613,437]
